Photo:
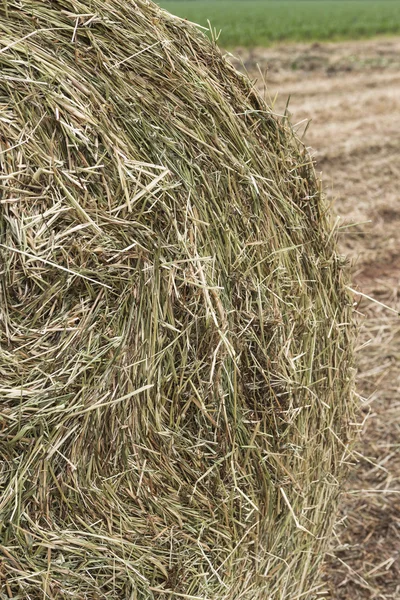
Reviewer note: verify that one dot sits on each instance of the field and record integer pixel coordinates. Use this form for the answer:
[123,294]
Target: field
[351,91]
[264,22]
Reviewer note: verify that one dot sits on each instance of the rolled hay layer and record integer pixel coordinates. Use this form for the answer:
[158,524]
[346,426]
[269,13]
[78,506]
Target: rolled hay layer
[176,338]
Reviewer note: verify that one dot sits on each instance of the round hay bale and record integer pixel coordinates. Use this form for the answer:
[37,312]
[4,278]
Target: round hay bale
[176,338]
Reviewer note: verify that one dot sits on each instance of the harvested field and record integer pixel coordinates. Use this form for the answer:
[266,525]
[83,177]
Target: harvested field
[352,92]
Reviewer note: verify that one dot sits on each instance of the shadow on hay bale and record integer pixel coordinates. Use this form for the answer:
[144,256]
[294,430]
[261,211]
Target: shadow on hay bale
[176,338]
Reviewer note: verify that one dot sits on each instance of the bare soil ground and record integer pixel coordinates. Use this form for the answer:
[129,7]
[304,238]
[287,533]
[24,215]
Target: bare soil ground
[351,93]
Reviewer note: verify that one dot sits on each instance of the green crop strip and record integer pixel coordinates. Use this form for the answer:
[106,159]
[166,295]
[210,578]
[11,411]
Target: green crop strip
[264,22]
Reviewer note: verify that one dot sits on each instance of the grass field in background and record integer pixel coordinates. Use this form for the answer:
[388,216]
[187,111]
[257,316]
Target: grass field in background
[264,22]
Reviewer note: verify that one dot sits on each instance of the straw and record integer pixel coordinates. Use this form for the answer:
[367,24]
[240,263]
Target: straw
[176,337]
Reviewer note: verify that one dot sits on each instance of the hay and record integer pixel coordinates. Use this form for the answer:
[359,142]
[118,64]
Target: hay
[176,338]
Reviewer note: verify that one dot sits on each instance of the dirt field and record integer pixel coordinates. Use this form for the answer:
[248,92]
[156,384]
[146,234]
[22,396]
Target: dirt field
[351,91]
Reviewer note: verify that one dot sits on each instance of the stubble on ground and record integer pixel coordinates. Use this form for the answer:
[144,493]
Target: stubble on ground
[351,93]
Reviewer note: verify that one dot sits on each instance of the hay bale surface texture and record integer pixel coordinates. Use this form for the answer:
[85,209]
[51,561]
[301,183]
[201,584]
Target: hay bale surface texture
[176,339]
